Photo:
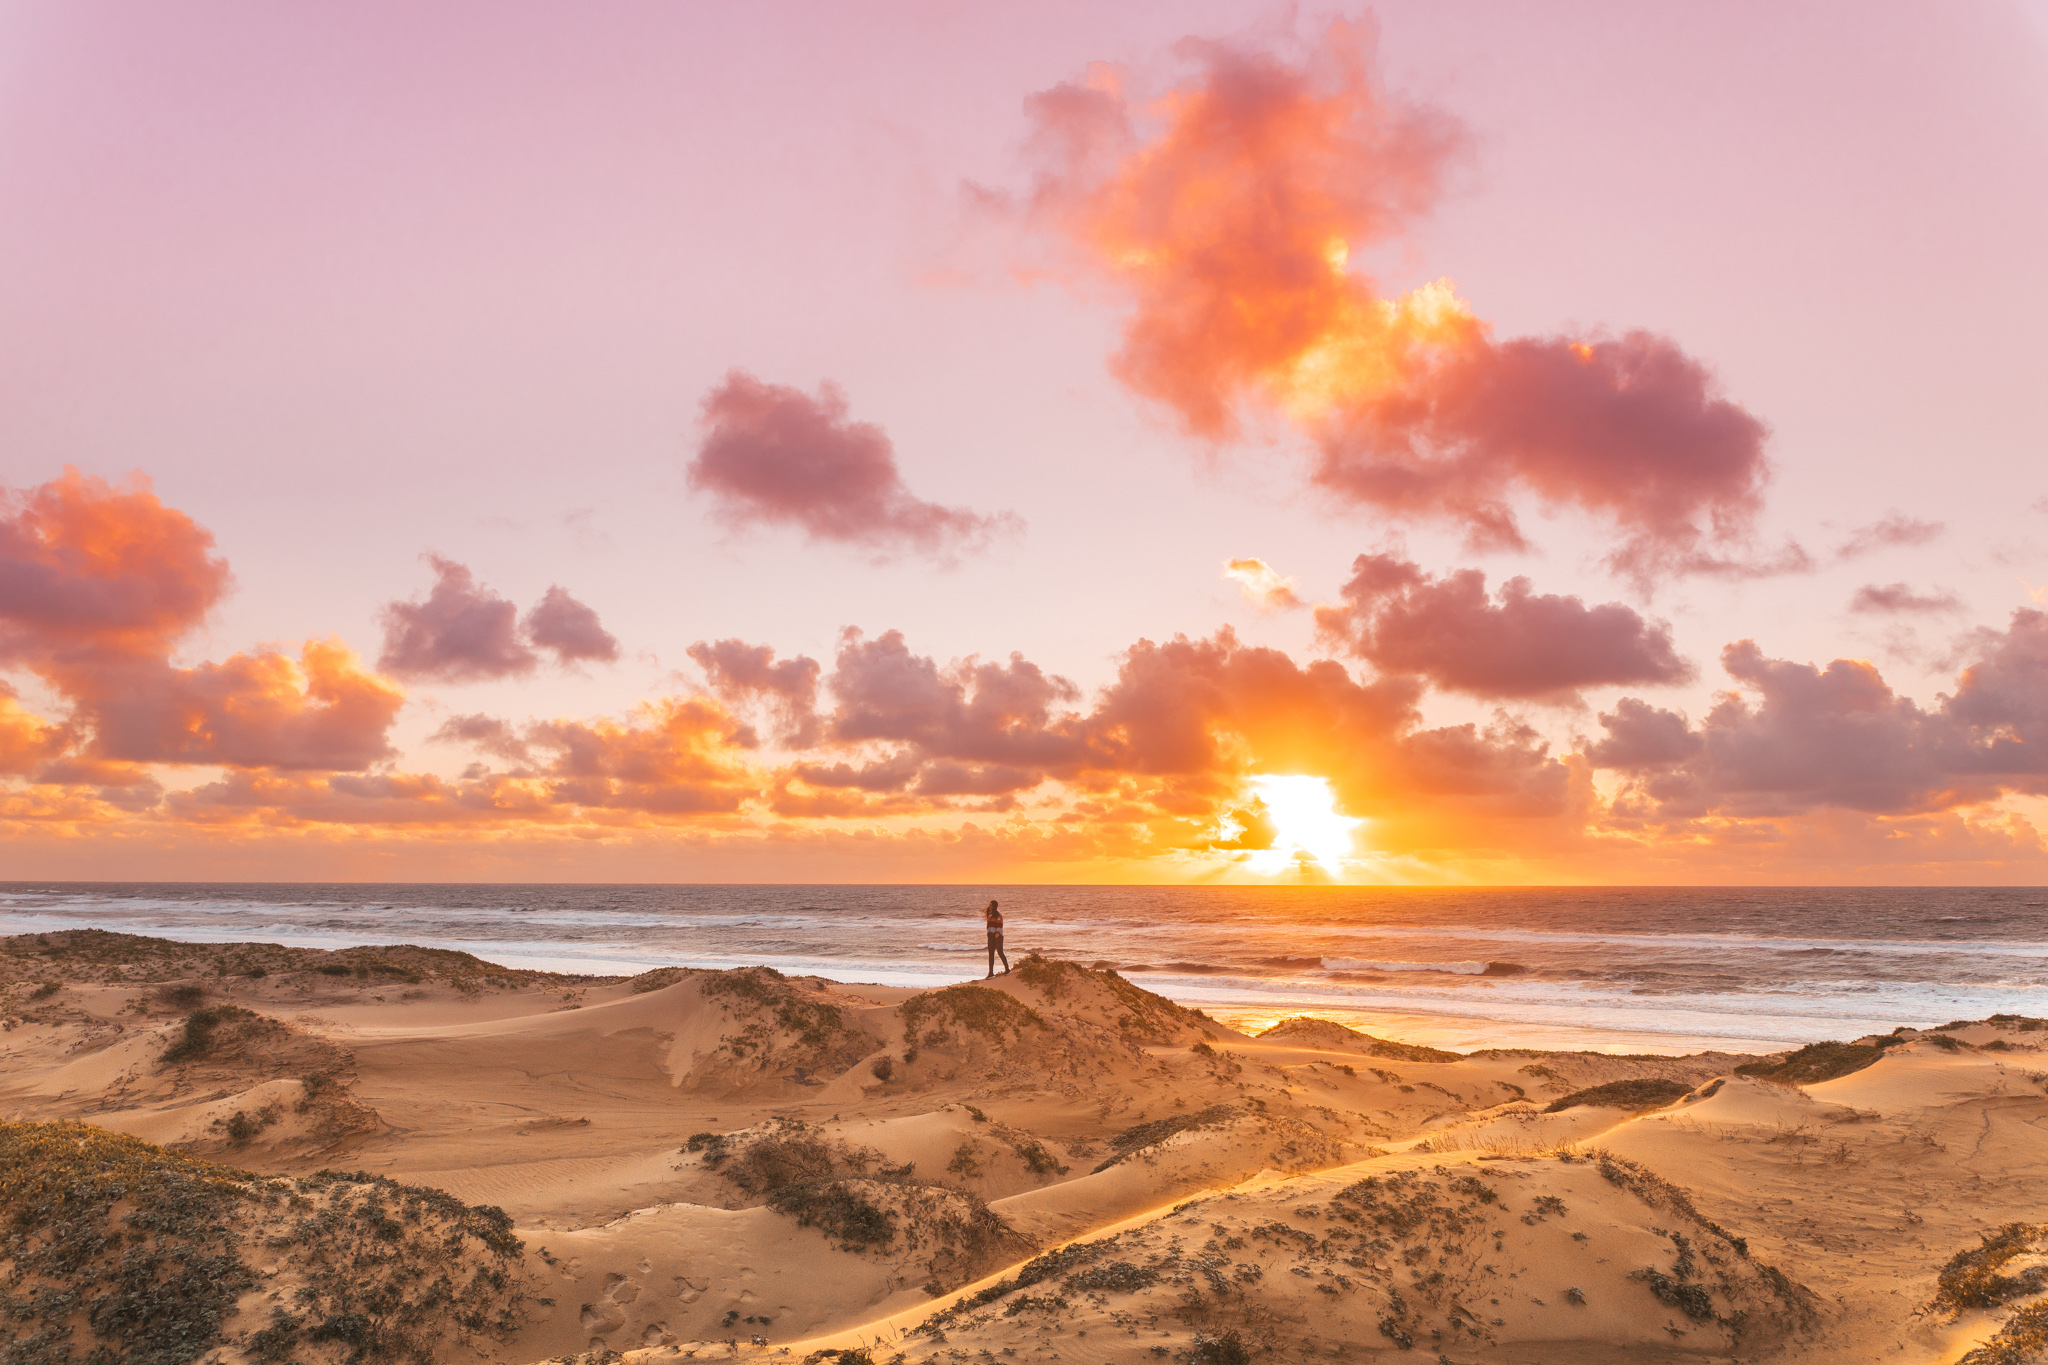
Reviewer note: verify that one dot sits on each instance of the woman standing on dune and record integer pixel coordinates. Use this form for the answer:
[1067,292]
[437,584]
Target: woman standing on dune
[994,917]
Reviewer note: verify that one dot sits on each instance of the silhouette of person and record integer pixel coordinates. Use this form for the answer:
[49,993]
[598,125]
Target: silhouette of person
[994,917]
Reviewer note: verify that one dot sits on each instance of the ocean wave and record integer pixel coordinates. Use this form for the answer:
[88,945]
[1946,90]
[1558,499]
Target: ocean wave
[1352,964]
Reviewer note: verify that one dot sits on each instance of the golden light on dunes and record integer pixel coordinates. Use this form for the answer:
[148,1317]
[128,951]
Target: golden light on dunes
[1306,823]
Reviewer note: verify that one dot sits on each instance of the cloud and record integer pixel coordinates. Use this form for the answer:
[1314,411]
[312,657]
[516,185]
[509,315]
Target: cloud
[1228,211]
[1262,585]
[972,726]
[98,584]
[677,756]
[741,674]
[1897,598]
[1641,736]
[774,455]
[87,567]
[461,632]
[569,630]
[1889,532]
[675,760]
[321,711]
[1524,645]
[27,741]
[1797,738]
[489,734]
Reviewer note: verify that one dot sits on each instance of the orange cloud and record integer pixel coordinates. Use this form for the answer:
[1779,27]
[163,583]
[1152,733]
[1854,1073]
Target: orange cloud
[99,584]
[265,710]
[86,567]
[27,741]
[1262,584]
[1228,211]
[678,759]
[996,763]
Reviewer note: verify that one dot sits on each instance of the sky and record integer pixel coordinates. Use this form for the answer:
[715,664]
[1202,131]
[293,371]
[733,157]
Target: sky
[1439,443]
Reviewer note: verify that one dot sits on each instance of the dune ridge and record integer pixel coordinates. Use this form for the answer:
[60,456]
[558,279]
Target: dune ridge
[1053,1164]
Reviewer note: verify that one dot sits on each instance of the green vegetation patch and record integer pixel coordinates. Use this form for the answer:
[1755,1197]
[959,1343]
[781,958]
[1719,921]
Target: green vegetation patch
[855,1197]
[1329,1033]
[658,979]
[1817,1062]
[770,1009]
[98,955]
[1975,1278]
[1131,1141]
[118,1251]
[993,1014]
[1636,1096]
[202,1029]
[1141,1012]
[1056,1264]
[2022,1340]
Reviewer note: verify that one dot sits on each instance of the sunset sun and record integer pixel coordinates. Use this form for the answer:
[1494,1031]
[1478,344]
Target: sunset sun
[1305,822]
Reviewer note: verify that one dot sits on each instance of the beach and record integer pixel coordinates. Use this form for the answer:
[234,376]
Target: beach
[1613,969]
[1055,1164]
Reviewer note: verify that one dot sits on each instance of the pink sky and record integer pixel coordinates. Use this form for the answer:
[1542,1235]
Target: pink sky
[355,285]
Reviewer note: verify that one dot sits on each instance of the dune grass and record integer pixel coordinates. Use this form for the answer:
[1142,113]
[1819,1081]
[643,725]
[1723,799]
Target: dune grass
[116,1250]
[1636,1096]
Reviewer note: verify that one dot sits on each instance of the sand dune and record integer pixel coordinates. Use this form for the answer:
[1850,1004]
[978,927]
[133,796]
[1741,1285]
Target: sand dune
[1055,1164]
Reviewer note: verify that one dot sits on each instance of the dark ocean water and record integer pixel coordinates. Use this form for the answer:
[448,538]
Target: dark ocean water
[1616,968]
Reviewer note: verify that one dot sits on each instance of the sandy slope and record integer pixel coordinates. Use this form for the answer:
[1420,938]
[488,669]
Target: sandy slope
[1057,1165]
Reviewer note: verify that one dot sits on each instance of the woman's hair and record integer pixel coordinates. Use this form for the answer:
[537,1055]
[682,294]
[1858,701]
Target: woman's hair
[991,905]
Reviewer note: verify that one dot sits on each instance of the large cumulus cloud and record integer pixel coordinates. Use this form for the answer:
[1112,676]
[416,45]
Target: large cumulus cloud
[1227,211]
[1522,645]
[99,584]
[1794,737]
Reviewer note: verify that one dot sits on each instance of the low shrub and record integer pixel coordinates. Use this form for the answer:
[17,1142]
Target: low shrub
[1636,1096]
[1817,1062]
[198,1037]
[1131,1141]
[1975,1279]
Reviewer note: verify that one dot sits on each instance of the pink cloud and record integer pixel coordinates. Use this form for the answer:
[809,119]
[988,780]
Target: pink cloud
[569,630]
[1521,645]
[743,674]
[774,455]
[97,586]
[1629,427]
[86,567]
[461,632]
[1797,738]
[1227,211]
[464,632]
[1898,598]
[1889,532]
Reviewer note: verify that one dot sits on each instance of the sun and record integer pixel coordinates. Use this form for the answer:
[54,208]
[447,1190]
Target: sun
[1305,822]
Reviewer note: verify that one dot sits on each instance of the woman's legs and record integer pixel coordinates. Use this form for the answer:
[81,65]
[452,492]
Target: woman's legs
[997,952]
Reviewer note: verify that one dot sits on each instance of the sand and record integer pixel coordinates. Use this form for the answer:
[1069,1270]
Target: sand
[1056,1165]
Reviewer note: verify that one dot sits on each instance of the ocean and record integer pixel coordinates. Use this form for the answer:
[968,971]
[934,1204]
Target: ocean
[1611,969]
